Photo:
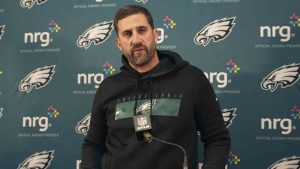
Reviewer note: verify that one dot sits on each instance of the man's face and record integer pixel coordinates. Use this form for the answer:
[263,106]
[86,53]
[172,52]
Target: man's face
[136,39]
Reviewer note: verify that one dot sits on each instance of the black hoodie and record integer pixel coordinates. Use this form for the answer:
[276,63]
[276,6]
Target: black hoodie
[180,101]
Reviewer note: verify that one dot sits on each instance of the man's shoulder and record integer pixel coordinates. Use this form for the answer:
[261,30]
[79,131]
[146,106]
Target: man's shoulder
[192,70]
[111,79]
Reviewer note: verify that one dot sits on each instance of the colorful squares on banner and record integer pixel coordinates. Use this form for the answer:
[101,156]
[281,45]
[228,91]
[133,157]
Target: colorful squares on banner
[108,68]
[53,113]
[233,158]
[295,113]
[169,22]
[294,20]
[232,67]
[54,27]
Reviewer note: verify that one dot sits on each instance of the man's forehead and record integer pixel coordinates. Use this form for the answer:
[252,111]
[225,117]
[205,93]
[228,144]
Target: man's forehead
[133,22]
[131,28]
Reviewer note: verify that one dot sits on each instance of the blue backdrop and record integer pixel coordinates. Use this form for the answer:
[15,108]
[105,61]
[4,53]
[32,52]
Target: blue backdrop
[52,62]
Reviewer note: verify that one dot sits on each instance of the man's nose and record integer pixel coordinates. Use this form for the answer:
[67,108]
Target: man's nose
[136,38]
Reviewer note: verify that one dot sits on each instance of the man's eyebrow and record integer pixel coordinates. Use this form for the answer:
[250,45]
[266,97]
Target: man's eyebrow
[142,26]
[138,27]
[123,32]
[126,31]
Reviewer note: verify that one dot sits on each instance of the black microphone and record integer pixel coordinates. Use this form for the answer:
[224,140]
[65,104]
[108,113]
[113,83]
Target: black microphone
[142,124]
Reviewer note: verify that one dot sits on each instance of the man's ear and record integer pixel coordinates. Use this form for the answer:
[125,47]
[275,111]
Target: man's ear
[118,44]
[155,35]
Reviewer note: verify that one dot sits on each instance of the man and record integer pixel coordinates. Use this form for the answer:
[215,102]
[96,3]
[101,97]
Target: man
[157,97]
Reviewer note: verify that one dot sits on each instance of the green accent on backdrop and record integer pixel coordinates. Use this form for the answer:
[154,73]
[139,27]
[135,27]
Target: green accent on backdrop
[264,37]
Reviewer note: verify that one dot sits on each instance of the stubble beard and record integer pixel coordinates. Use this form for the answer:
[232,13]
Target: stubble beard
[141,59]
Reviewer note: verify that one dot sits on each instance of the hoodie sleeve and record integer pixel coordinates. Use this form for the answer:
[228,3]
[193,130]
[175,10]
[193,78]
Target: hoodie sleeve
[93,147]
[211,125]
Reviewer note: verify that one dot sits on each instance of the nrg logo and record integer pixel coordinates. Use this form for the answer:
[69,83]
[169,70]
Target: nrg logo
[161,35]
[283,32]
[284,125]
[96,78]
[38,37]
[223,78]
[168,24]
[42,38]
[40,122]
[90,78]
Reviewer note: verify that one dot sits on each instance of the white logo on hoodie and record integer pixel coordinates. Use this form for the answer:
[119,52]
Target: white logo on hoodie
[145,107]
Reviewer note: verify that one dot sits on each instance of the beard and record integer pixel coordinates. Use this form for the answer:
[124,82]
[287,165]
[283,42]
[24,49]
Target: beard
[140,55]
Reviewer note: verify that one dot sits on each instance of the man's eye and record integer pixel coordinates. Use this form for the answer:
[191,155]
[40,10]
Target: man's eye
[142,30]
[127,34]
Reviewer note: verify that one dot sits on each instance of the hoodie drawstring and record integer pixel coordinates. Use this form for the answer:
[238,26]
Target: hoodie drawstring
[150,93]
[135,98]
[151,96]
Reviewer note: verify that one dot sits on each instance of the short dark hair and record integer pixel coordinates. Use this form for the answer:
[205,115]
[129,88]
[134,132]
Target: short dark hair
[130,10]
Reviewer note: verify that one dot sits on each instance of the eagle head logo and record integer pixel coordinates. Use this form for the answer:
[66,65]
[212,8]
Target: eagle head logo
[39,160]
[145,107]
[2,27]
[38,78]
[287,163]
[286,76]
[228,116]
[217,30]
[83,125]
[98,33]
[29,3]
[144,1]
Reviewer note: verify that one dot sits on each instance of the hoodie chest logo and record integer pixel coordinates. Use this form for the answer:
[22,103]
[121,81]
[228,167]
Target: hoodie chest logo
[146,107]
[160,107]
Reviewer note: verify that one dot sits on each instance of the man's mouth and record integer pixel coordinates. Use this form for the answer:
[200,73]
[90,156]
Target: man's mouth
[138,49]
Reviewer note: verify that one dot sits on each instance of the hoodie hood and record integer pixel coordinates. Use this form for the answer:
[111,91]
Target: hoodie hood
[168,62]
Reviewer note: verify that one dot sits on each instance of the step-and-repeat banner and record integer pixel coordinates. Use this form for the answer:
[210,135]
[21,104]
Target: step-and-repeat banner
[53,60]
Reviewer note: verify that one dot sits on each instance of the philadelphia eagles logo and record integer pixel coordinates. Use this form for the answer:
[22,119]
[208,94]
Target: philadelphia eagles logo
[83,126]
[29,3]
[287,163]
[217,30]
[2,27]
[285,76]
[145,107]
[98,34]
[144,1]
[38,78]
[40,160]
[228,116]
[1,110]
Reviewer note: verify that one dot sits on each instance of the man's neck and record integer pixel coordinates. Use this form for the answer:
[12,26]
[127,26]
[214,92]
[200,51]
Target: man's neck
[147,67]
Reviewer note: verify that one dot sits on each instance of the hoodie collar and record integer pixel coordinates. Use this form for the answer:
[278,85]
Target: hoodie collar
[168,62]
